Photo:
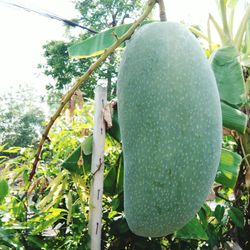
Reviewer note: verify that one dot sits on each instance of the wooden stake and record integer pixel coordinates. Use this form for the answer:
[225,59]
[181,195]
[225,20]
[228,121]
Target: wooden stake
[97,169]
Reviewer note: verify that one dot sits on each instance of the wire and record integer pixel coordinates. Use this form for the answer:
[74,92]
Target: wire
[52,16]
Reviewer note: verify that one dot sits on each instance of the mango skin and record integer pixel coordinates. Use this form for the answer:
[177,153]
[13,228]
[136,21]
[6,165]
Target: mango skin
[171,128]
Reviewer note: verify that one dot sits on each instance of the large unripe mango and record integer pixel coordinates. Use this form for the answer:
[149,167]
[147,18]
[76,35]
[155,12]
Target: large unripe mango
[171,126]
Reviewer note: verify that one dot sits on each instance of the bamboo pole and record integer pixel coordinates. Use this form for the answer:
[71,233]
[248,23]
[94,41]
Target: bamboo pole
[97,170]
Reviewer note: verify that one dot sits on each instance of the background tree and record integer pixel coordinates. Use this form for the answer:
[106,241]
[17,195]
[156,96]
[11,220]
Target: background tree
[21,118]
[98,15]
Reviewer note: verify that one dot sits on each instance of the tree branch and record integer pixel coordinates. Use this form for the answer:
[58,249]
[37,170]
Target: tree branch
[83,78]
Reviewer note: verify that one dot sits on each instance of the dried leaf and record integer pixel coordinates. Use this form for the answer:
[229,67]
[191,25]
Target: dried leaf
[247,178]
[67,115]
[75,100]
[211,196]
[79,98]
[32,187]
[85,132]
[71,107]
[227,131]
[107,114]
[80,162]
[44,185]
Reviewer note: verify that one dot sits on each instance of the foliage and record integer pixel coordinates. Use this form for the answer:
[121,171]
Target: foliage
[56,206]
[52,211]
[21,118]
[62,69]
[103,14]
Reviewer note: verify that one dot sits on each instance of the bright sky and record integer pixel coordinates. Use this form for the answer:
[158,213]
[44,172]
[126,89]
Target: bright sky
[23,34]
[22,37]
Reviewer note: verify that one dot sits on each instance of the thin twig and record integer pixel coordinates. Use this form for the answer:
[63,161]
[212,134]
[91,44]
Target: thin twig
[83,79]
[222,197]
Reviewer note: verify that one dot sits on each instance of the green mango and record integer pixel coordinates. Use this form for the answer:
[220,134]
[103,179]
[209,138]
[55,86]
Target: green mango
[171,128]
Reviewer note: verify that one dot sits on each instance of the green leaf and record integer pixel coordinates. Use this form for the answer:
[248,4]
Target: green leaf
[12,150]
[228,74]
[46,220]
[2,147]
[46,223]
[115,202]
[26,176]
[203,217]
[6,238]
[79,162]
[3,247]
[109,180]
[192,230]
[233,118]
[231,3]
[3,157]
[228,169]
[4,189]
[238,38]
[87,145]
[96,44]
[120,176]
[219,212]
[53,197]
[114,131]
[237,216]
[246,48]
[69,205]
[35,241]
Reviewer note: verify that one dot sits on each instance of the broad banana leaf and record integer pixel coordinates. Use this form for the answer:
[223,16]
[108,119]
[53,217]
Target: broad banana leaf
[233,118]
[96,44]
[228,74]
[114,131]
[80,159]
[228,169]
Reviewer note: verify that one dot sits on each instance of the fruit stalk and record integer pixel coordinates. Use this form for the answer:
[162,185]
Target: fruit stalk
[163,16]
